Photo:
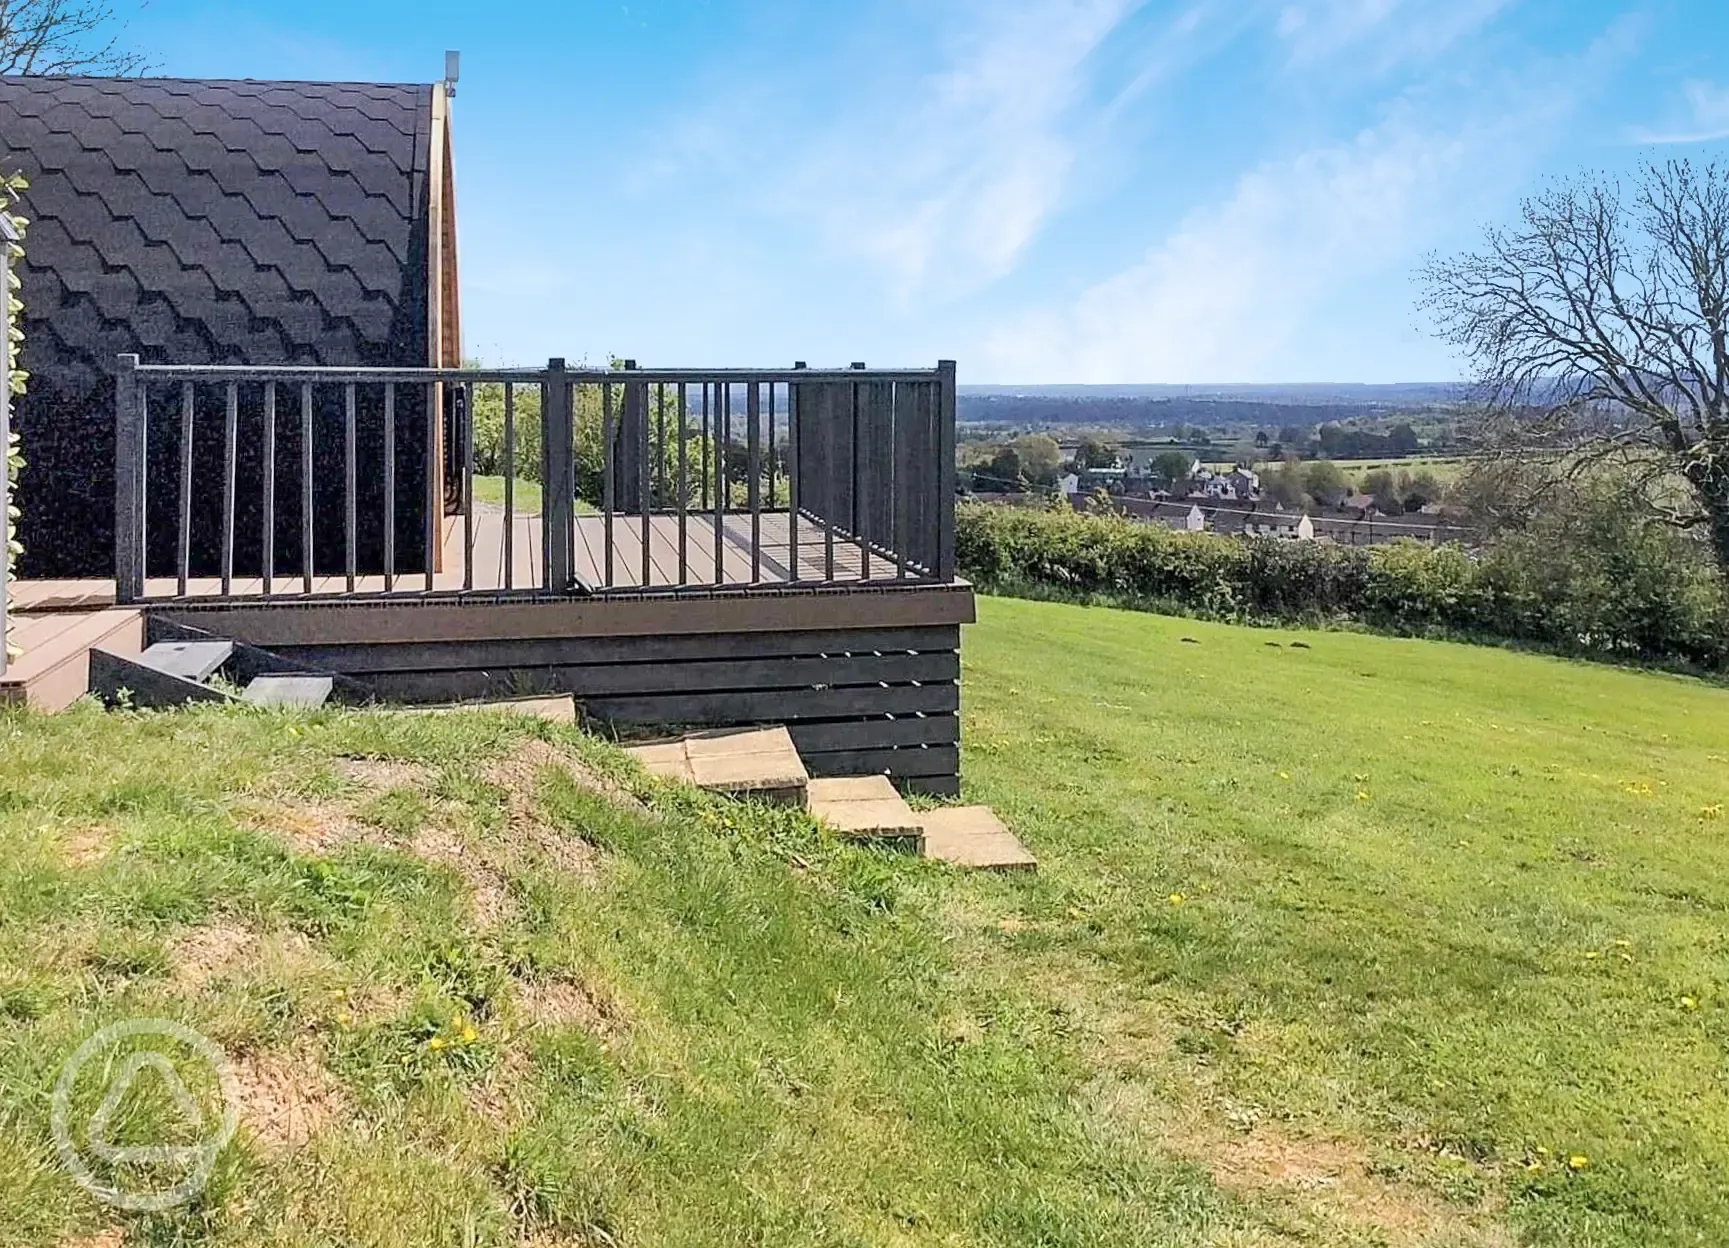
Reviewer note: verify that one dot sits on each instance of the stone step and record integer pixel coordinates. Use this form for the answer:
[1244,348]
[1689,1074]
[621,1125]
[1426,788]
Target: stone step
[866,808]
[300,692]
[973,836]
[189,660]
[758,763]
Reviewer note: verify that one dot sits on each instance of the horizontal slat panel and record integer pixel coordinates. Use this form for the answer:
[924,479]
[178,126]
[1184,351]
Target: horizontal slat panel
[787,676]
[571,651]
[934,760]
[779,707]
[872,734]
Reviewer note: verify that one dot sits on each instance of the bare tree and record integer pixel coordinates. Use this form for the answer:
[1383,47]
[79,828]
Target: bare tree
[61,37]
[1597,329]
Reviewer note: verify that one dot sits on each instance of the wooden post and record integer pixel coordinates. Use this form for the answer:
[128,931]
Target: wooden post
[128,484]
[945,568]
[558,508]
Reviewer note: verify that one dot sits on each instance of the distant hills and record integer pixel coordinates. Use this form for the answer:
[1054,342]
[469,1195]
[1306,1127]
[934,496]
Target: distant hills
[1267,406]
[1394,394]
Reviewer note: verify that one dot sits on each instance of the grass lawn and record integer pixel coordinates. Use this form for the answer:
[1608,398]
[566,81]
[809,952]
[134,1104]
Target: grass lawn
[1370,943]
[489,491]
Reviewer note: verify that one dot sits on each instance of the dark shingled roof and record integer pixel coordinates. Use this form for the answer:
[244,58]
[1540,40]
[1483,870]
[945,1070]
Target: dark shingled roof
[201,222]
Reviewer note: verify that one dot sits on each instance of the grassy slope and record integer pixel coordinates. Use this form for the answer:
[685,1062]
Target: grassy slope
[1234,1009]
[1451,902]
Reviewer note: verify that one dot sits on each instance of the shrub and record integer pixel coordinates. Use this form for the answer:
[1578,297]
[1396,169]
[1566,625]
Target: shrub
[1591,576]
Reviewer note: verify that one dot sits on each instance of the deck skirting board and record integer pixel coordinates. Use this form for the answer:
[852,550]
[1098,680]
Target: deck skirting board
[856,700]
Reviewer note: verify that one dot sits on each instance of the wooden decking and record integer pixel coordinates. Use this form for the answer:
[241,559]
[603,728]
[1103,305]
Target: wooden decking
[55,668]
[669,565]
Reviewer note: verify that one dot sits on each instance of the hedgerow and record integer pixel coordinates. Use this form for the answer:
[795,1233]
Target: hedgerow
[1593,578]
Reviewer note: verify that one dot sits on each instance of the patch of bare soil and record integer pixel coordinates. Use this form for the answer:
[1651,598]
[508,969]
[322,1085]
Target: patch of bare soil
[111,1238]
[382,774]
[517,772]
[309,826]
[287,1098]
[202,953]
[487,886]
[564,1002]
[86,846]
[1337,1177]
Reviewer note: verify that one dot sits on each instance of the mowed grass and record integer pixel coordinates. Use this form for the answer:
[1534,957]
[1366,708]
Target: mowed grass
[1369,943]
[1459,910]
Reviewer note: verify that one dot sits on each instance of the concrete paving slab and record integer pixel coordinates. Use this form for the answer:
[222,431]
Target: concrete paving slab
[759,763]
[866,808]
[973,836]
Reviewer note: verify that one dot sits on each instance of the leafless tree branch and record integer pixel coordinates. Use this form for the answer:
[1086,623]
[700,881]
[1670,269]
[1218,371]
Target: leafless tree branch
[1597,330]
[62,37]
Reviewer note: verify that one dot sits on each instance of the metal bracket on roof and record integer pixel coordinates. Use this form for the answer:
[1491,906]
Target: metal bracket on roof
[452,72]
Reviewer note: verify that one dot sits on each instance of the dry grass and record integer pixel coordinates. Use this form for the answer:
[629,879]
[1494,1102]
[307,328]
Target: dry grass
[287,1098]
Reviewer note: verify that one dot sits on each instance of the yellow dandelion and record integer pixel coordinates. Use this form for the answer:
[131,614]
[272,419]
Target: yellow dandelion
[1592,955]
[1284,775]
[344,1017]
[1362,795]
[1534,1167]
[1178,899]
[1623,944]
[1578,1161]
[469,1035]
[436,1043]
[1689,1003]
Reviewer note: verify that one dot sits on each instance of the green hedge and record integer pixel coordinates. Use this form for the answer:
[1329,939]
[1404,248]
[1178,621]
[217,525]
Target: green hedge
[1593,578]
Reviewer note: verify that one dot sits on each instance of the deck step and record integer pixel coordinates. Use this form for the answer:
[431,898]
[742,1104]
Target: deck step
[867,808]
[973,836]
[54,671]
[758,763]
[300,692]
[190,660]
[119,679]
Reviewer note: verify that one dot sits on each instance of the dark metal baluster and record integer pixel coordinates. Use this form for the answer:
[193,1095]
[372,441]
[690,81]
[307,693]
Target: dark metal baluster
[269,536]
[230,450]
[638,402]
[860,507]
[683,484]
[901,487]
[660,458]
[434,486]
[703,446]
[306,570]
[607,468]
[468,485]
[509,486]
[722,398]
[792,439]
[183,567]
[946,390]
[753,440]
[351,484]
[771,447]
[389,486]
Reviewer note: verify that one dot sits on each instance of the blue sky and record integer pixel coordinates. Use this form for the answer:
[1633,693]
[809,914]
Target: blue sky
[1045,190]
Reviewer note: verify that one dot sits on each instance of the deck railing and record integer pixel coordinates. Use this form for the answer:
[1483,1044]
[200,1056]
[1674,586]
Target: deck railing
[236,481]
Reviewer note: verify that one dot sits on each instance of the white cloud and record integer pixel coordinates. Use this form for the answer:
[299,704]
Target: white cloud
[1241,290]
[1378,34]
[964,174]
[1705,117]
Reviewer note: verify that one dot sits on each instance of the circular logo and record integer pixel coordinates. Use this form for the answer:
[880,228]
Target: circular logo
[142,1174]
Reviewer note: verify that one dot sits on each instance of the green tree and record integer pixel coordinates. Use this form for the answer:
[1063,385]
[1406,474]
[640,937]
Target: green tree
[1096,452]
[1325,482]
[1286,485]
[1039,457]
[1402,439]
[1171,468]
[1381,483]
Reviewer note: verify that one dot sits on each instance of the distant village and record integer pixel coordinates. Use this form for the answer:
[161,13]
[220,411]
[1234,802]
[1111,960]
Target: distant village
[1225,500]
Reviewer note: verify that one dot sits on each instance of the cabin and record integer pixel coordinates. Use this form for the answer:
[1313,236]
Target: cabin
[247,427]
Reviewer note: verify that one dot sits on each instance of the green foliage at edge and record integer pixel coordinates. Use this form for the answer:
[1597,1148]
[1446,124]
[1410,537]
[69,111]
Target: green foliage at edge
[1593,577]
[14,458]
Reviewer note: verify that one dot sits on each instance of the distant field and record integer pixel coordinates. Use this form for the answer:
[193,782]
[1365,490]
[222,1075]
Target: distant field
[1445,468]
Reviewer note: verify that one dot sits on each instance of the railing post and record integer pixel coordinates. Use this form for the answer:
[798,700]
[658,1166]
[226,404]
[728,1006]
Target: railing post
[945,568]
[558,508]
[128,484]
